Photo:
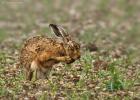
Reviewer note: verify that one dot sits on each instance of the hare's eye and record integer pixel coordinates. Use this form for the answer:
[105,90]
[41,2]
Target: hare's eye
[77,46]
[71,48]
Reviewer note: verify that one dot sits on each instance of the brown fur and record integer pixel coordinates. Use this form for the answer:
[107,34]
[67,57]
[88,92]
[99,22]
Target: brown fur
[40,53]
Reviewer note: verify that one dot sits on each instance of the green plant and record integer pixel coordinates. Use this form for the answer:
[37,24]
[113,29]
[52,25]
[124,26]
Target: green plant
[116,82]
[3,34]
[2,57]
[44,96]
[103,5]
[86,95]
[86,61]
[88,35]
[3,91]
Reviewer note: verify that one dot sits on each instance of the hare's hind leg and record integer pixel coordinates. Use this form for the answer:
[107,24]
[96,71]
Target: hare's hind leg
[34,69]
[28,74]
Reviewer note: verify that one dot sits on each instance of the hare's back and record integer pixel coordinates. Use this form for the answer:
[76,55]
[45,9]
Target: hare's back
[33,47]
[38,42]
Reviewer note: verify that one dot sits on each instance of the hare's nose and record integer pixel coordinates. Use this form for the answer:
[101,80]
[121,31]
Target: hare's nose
[78,57]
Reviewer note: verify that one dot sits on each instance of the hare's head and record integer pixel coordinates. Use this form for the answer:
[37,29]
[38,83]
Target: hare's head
[72,48]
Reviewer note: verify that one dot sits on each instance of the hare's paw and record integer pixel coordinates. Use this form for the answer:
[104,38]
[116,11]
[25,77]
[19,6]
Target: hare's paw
[67,59]
[62,58]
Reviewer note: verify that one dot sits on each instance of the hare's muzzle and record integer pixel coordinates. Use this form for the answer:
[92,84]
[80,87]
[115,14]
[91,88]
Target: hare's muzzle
[79,57]
[71,61]
[76,58]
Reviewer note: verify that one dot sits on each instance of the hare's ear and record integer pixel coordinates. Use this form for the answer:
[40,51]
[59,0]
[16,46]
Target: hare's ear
[58,30]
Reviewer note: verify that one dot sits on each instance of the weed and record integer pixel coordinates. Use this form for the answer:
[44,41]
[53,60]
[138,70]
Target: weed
[3,34]
[116,82]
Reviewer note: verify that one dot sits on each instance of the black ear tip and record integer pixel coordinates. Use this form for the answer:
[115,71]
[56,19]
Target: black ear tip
[52,25]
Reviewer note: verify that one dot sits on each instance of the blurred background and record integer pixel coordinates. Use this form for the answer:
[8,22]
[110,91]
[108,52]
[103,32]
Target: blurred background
[106,23]
[93,20]
[108,26]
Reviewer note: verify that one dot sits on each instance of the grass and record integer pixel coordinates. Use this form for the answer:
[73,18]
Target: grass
[3,34]
[78,89]
[115,31]
[116,82]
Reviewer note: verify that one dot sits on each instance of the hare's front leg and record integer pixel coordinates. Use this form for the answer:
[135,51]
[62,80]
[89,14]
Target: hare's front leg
[57,58]
[62,58]
[28,74]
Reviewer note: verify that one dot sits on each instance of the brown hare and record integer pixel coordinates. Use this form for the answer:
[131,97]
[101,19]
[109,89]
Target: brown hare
[40,53]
